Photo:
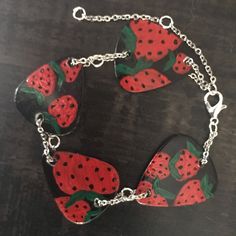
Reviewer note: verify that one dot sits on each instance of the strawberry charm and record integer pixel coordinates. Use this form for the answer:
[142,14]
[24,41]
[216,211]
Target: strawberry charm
[185,163]
[159,166]
[64,109]
[156,57]
[71,72]
[76,180]
[43,80]
[148,40]
[77,213]
[55,90]
[174,177]
[180,67]
[141,78]
[194,191]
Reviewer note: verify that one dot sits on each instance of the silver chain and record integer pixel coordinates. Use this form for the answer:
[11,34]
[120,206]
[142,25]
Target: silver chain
[50,141]
[125,195]
[98,60]
[79,14]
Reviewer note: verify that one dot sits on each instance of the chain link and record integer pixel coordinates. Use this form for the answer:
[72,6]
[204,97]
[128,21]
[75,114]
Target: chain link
[126,195]
[50,141]
[98,60]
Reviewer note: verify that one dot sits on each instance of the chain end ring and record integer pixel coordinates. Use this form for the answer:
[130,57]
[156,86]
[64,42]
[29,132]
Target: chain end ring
[79,11]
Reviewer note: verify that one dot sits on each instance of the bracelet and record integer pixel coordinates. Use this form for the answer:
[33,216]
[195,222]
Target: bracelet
[150,54]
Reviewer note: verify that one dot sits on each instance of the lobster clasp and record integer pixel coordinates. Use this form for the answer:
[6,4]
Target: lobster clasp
[218,107]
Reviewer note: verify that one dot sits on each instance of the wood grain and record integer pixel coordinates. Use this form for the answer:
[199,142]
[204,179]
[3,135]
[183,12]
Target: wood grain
[115,126]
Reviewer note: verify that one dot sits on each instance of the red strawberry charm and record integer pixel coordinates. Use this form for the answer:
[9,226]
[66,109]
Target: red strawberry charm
[180,67]
[76,213]
[82,179]
[43,80]
[159,166]
[71,72]
[64,109]
[75,172]
[185,163]
[140,78]
[194,192]
[149,40]
[157,196]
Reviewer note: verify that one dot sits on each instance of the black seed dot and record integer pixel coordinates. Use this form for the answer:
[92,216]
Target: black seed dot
[149,53]
[159,53]
[62,106]
[180,167]
[126,81]
[109,168]
[58,115]
[192,196]
[113,188]
[190,156]
[96,169]
[77,206]
[150,30]
[58,173]
[60,184]
[146,73]
[175,41]
[162,81]
[87,178]
[40,87]
[102,178]
[70,156]
[85,207]
[184,68]
[202,197]
[153,81]
[160,32]
[162,41]
[72,176]
[143,85]
[80,166]
[65,164]
[150,41]
[72,105]
[63,124]
[41,78]
[73,216]
[52,106]
[74,188]
[135,79]
[140,41]
[138,53]
[183,152]
[160,172]
[66,211]
[91,186]
[103,190]
[140,29]
[132,88]
[114,179]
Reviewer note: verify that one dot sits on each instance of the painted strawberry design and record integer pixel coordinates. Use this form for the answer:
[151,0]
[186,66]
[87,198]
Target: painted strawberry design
[64,109]
[71,72]
[76,213]
[43,80]
[157,196]
[141,78]
[185,164]
[149,40]
[159,166]
[76,172]
[180,67]
[194,192]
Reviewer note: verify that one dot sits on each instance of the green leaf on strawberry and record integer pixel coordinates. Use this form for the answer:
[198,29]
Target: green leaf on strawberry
[207,187]
[164,193]
[83,195]
[39,97]
[92,214]
[140,65]
[193,149]
[49,119]
[169,64]
[60,74]
[129,39]
[173,170]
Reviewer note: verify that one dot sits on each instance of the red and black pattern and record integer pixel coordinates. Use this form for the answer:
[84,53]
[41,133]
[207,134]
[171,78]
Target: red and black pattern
[174,178]
[55,90]
[79,180]
[156,57]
